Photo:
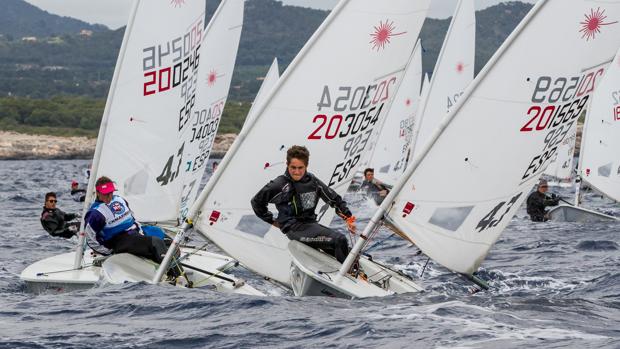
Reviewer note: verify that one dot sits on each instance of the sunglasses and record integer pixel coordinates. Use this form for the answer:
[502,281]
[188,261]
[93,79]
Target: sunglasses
[53,201]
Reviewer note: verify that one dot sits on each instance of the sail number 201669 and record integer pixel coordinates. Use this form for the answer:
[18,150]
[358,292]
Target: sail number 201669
[557,103]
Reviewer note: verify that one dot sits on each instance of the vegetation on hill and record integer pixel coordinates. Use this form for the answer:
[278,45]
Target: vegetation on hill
[61,80]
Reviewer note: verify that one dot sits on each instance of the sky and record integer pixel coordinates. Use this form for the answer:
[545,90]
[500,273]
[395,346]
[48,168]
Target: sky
[114,13]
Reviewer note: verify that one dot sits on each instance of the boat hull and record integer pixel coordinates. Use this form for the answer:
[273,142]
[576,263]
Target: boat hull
[566,213]
[314,273]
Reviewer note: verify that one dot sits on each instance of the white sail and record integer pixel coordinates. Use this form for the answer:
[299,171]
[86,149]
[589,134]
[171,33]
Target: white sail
[217,62]
[454,71]
[269,82]
[470,179]
[391,153]
[600,162]
[331,97]
[561,165]
[146,148]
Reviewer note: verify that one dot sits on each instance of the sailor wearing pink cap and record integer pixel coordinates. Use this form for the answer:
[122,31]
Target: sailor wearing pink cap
[110,222]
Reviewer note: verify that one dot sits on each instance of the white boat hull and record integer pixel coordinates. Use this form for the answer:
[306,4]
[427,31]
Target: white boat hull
[124,267]
[314,273]
[57,273]
[566,213]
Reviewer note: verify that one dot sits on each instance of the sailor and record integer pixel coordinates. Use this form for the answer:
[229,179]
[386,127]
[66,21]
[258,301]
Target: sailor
[110,222]
[77,194]
[55,221]
[374,187]
[295,195]
[538,201]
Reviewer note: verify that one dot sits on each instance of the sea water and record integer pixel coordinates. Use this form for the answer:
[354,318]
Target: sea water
[553,285]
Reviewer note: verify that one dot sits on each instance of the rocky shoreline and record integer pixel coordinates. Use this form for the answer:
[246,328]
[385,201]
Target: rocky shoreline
[19,146]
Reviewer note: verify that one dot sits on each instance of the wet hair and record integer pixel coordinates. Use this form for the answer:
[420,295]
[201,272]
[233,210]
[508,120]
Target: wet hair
[298,152]
[51,194]
[369,170]
[102,180]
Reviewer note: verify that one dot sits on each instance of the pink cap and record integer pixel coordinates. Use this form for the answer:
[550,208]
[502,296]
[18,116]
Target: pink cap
[106,188]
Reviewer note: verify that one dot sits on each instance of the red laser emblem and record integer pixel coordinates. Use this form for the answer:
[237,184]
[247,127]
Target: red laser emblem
[593,23]
[383,34]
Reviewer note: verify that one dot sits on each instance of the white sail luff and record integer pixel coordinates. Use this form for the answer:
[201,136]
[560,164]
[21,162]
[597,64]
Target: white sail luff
[390,154]
[90,190]
[599,165]
[430,112]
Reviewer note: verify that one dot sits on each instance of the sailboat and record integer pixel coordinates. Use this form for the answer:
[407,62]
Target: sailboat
[599,163]
[413,117]
[169,89]
[331,98]
[494,144]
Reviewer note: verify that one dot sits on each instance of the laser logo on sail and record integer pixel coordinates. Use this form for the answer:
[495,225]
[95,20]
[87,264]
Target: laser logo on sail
[593,23]
[383,34]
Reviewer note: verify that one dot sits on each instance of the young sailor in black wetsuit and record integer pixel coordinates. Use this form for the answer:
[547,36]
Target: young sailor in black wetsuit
[55,221]
[296,194]
[374,187]
[538,200]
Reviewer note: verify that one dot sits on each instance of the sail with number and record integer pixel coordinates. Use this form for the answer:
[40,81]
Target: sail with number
[330,99]
[470,179]
[218,54]
[269,82]
[599,160]
[454,71]
[561,165]
[147,147]
[391,153]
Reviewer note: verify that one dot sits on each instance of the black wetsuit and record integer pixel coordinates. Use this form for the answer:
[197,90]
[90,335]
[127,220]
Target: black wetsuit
[536,204]
[54,221]
[296,204]
[373,188]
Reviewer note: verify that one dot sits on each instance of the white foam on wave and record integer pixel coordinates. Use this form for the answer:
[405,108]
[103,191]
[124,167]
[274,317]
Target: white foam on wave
[482,321]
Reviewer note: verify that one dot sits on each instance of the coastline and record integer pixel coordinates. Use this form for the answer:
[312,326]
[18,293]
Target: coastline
[20,146]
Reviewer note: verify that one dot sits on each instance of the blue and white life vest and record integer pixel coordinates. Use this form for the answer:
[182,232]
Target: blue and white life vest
[118,216]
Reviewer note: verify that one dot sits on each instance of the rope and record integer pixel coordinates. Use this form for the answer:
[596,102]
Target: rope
[199,283]
[62,271]
[378,243]
[425,264]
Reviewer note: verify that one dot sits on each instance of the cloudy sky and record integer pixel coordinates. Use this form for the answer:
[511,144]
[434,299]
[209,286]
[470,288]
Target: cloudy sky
[114,13]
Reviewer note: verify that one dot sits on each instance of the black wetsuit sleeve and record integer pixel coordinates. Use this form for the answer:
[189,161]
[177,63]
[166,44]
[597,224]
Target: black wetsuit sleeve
[49,222]
[261,200]
[333,199]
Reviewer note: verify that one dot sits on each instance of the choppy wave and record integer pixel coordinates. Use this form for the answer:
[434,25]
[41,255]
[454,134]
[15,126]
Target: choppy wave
[551,285]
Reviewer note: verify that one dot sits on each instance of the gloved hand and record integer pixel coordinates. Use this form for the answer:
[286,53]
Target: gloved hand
[351,224]
[554,197]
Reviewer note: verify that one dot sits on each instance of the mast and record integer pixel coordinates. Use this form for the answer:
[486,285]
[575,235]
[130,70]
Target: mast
[387,202]
[79,252]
